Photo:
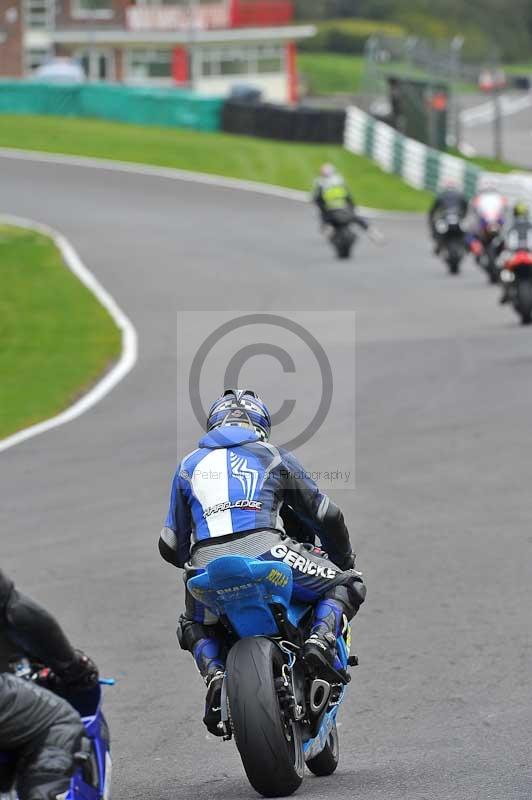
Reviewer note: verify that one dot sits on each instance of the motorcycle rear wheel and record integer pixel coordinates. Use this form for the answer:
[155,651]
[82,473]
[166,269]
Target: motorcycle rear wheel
[523,302]
[454,264]
[344,252]
[454,257]
[269,742]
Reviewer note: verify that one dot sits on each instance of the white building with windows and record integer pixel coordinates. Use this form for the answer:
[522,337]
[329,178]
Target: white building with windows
[207,46]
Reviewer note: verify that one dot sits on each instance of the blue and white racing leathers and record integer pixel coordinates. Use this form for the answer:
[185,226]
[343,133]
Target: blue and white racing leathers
[228,495]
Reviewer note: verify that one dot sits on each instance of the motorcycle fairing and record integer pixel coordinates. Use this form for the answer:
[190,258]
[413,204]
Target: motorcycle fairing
[89,706]
[522,258]
[243,589]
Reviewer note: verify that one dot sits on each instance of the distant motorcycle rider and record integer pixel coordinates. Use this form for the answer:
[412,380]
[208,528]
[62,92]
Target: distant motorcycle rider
[518,237]
[449,201]
[42,729]
[333,198]
[487,213]
[227,498]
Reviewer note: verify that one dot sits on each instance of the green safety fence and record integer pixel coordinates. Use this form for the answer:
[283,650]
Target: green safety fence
[175,108]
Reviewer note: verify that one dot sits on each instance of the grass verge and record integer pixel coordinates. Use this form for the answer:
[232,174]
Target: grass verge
[486,163]
[56,339]
[330,73]
[493,165]
[280,163]
[334,73]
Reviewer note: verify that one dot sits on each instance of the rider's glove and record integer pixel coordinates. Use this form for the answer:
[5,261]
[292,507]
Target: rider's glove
[345,562]
[81,673]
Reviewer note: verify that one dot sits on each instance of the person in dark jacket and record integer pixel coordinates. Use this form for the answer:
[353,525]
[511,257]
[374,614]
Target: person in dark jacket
[517,237]
[40,730]
[227,498]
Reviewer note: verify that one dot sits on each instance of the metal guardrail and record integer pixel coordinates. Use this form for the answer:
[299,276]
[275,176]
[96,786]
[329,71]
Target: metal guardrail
[421,166]
[418,165]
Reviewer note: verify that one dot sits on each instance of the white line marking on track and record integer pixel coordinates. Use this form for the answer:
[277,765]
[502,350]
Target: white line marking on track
[182,175]
[129,353]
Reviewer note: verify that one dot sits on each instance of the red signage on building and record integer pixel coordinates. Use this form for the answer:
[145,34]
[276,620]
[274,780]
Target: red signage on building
[261,13]
[225,14]
[177,18]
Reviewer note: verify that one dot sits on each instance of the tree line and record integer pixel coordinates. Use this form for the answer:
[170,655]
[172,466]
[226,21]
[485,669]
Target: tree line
[504,28]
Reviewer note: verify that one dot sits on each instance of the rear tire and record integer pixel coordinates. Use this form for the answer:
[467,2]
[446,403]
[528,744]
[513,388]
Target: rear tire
[343,241]
[269,743]
[524,302]
[454,265]
[454,258]
[325,763]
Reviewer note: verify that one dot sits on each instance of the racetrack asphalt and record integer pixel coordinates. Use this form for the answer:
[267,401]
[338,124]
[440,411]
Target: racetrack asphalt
[516,134]
[440,707]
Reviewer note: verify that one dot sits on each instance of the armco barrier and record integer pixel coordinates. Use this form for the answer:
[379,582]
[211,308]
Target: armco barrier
[166,107]
[422,167]
[279,122]
[418,165]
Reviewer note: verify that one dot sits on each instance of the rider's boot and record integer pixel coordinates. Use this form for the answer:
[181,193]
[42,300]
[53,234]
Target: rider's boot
[213,703]
[319,650]
[207,646]
[207,654]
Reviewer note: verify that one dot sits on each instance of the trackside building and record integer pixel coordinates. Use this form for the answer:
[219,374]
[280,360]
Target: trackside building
[207,46]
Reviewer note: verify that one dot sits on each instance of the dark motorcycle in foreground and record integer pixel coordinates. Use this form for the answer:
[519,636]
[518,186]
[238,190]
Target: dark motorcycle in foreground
[516,278]
[280,717]
[451,241]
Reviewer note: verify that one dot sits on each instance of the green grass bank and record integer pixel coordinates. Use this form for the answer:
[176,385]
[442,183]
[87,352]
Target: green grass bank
[56,340]
[279,163]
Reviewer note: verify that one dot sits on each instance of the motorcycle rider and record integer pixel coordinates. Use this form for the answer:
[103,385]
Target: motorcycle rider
[227,498]
[450,200]
[488,211]
[518,237]
[41,728]
[333,198]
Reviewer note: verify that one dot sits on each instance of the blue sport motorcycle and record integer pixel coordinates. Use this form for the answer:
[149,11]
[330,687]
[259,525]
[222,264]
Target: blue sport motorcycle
[92,777]
[281,718]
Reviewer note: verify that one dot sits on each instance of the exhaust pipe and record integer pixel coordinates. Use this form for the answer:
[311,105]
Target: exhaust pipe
[320,692]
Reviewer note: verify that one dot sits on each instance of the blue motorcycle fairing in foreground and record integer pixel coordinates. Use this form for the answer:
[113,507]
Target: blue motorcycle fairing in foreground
[97,787]
[92,779]
[243,590]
